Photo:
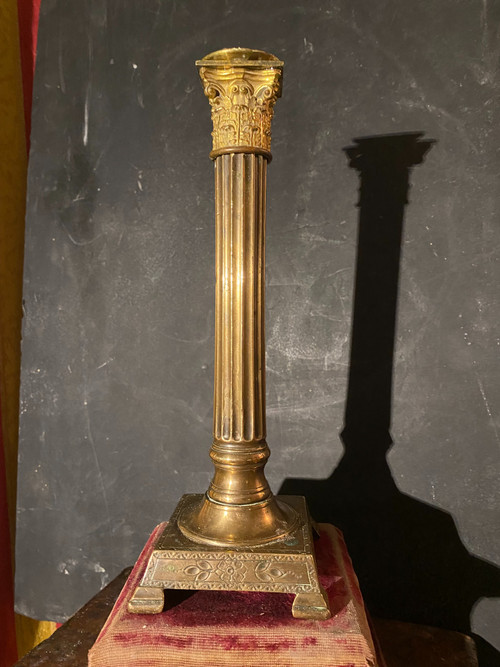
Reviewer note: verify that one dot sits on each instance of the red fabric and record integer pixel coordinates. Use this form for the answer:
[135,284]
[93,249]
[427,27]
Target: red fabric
[28,13]
[234,628]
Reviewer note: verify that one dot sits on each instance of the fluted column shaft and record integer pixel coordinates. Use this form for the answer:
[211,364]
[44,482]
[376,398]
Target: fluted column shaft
[239,377]
[239,391]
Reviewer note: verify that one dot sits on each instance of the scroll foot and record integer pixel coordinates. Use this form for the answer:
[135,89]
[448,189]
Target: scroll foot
[311,605]
[146,600]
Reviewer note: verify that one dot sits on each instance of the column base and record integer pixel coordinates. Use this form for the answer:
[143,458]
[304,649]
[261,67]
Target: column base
[228,525]
[287,565]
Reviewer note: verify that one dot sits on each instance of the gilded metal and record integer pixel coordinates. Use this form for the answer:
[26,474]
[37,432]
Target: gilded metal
[238,536]
[242,86]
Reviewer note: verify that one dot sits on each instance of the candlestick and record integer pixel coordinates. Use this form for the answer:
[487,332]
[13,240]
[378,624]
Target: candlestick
[238,536]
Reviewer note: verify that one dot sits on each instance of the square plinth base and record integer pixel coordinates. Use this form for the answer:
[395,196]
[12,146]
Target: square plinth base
[282,566]
[241,628]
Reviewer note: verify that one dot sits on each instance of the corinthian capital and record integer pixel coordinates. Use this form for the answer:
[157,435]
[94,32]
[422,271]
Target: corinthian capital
[242,86]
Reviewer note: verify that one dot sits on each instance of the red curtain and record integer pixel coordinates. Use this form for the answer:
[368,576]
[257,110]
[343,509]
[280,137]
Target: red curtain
[28,13]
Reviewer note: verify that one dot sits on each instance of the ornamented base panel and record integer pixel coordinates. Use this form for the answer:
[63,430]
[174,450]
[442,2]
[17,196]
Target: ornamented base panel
[231,571]
[285,566]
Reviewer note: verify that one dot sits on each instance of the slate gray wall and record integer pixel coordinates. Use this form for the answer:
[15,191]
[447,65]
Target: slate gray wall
[117,355]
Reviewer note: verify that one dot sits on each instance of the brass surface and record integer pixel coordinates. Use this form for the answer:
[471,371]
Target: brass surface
[238,526]
[239,506]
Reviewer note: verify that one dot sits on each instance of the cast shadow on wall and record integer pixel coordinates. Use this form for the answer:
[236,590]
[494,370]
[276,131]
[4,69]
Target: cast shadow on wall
[408,555]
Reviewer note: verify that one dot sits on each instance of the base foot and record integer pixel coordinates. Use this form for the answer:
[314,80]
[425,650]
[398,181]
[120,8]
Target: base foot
[147,600]
[311,605]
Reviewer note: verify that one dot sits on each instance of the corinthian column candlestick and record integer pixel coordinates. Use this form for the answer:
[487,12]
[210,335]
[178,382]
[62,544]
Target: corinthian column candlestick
[238,535]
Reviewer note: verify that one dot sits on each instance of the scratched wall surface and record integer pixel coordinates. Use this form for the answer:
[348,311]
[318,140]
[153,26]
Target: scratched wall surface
[117,355]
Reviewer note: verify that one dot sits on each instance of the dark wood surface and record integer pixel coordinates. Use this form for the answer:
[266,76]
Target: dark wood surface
[402,644]
[411,645]
[70,644]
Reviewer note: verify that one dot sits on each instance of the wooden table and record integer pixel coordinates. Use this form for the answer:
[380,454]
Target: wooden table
[402,644]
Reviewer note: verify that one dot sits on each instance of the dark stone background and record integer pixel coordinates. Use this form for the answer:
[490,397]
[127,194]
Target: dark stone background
[118,332]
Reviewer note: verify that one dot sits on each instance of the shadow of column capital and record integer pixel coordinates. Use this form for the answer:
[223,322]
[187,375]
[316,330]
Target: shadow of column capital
[386,160]
[405,149]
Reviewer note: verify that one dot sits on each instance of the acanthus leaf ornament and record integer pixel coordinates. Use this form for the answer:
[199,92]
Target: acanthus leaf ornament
[242,98]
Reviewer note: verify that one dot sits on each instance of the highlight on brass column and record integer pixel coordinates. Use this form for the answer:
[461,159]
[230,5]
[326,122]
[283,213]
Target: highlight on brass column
[238,535]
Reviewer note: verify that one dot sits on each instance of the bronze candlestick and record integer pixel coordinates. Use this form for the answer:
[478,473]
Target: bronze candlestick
[238,536]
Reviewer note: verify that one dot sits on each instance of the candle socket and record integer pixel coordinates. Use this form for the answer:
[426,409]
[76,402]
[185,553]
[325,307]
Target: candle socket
[238,536]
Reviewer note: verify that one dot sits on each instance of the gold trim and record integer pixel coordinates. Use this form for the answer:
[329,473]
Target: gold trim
[241,149]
